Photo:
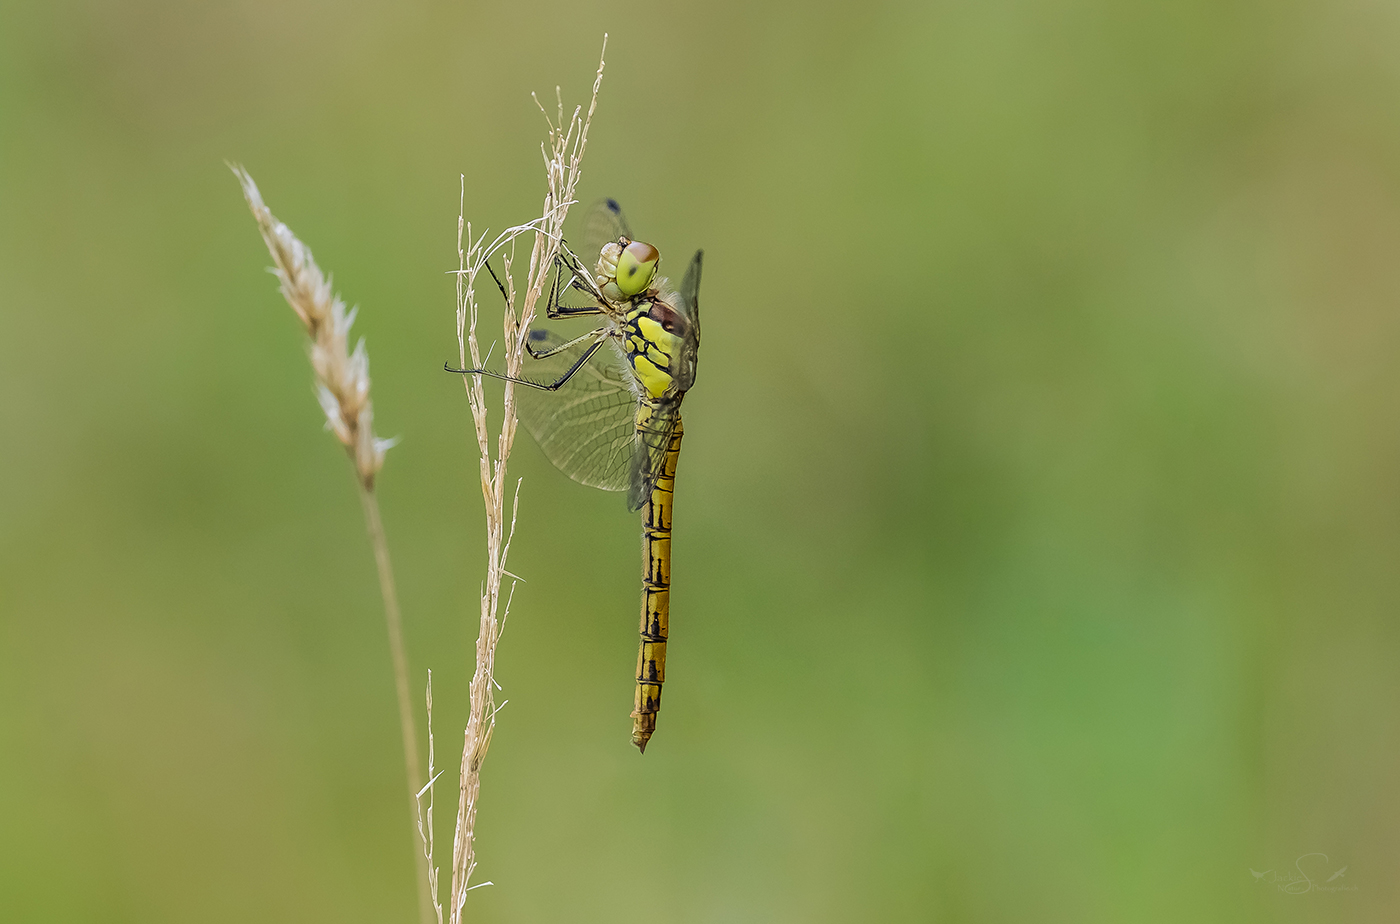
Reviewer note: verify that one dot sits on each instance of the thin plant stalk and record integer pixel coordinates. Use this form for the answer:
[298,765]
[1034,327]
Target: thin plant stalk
[394,623]
[563,156]
[342,387]
[425,818]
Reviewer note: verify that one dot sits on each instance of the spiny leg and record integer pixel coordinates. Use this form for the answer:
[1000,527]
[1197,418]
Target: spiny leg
[564,346]
[553,386]
[553,309]
[579,279]
[504,296]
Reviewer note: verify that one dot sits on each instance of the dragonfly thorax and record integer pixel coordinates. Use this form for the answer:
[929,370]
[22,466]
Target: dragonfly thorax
[652,334]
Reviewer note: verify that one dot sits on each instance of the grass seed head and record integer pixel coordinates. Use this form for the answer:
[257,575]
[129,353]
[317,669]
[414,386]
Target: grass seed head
[342,375]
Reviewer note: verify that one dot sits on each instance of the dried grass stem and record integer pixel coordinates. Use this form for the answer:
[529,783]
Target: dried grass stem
[342,387]
[563,155]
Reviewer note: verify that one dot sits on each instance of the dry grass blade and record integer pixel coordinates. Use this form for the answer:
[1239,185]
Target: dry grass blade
[563,156]
[425,826]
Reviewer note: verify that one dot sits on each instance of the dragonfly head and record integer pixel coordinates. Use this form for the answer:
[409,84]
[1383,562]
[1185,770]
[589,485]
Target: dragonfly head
[636,268]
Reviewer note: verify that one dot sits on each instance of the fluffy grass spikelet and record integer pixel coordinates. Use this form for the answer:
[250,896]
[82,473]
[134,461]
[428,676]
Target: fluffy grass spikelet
[342,374]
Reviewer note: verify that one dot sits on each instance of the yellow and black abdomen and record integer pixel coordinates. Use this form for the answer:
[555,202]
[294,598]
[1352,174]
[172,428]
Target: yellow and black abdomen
[653,349]
[656,594]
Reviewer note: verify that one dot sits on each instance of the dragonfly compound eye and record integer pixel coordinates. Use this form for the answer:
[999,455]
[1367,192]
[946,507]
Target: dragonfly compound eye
[636,268]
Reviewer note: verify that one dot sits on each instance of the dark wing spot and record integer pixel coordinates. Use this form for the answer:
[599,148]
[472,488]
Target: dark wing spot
[539,335]
[612,205]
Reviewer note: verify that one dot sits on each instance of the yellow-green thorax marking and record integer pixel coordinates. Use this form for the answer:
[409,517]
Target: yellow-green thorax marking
[646,334]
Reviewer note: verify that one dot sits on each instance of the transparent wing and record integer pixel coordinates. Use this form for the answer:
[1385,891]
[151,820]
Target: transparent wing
[690,307]
[588,427]
[603,222]
[655,424]
[690,292]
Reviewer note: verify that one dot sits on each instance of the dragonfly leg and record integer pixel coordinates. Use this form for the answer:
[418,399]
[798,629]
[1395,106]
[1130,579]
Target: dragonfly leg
[552,386]
[578,279]
[504,296]
[564,346]
[560,312]
[553,309]
[556,311]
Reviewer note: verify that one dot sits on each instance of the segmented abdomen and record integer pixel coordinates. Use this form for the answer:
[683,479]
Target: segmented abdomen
[656,595]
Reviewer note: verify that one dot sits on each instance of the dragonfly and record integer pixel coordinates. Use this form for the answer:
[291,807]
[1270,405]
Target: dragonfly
[605,406]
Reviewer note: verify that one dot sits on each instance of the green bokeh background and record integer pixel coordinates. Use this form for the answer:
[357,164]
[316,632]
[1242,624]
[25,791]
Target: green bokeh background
[1037,526]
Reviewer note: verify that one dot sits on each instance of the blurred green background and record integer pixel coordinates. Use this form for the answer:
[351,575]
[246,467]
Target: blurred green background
[1037,526]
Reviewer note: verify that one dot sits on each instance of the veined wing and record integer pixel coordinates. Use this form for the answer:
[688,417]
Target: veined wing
[689,306]
[587,428]
[655,424]
[603,223]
